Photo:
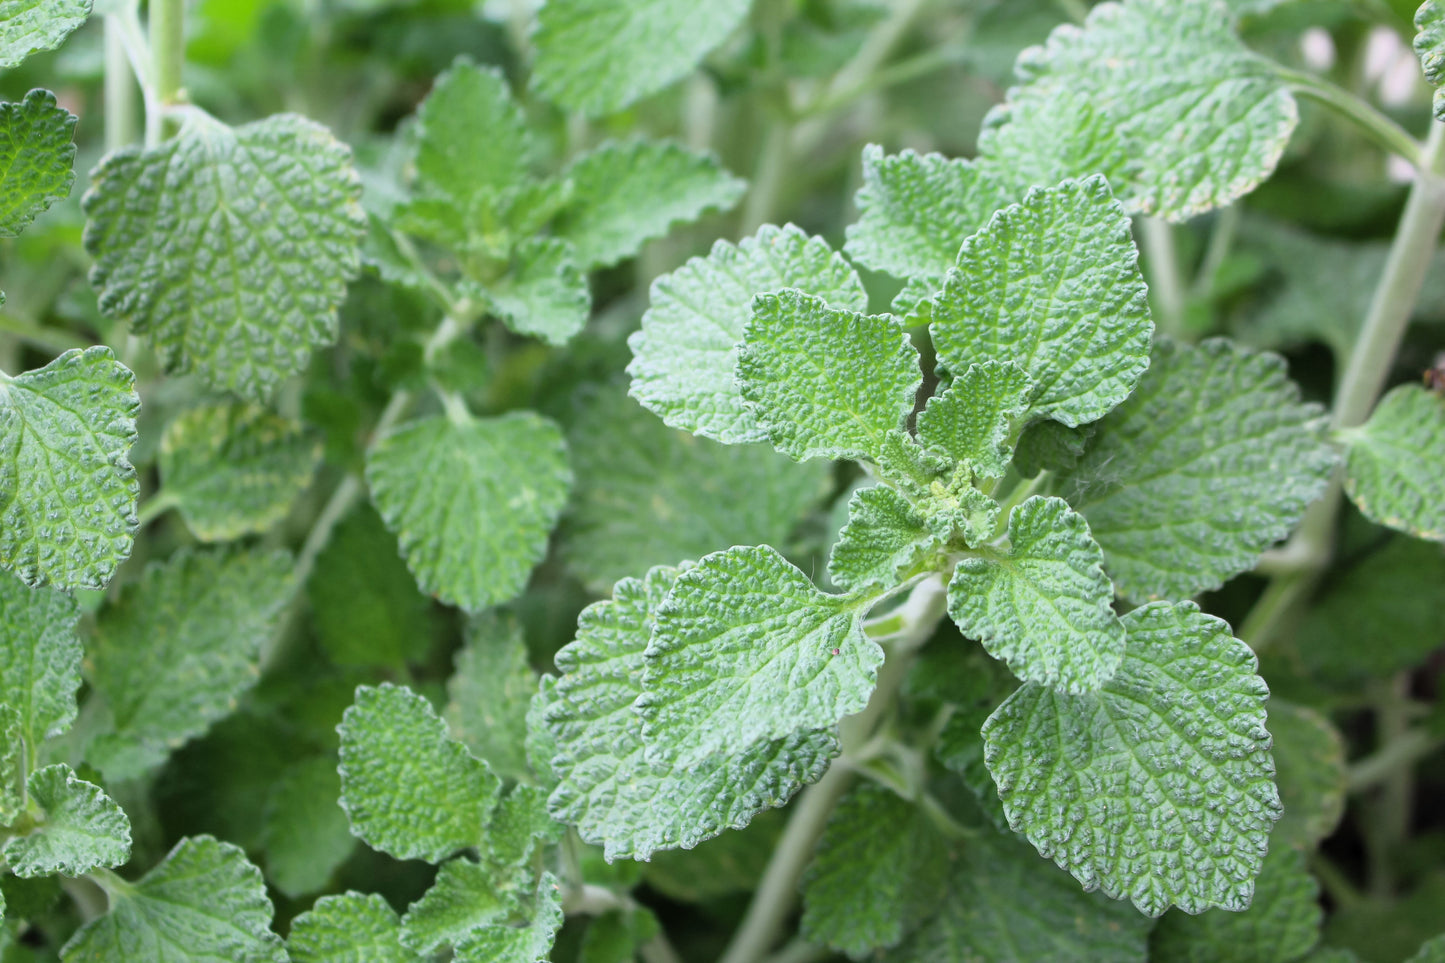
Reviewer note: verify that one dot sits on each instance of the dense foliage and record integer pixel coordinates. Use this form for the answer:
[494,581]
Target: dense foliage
[448,511]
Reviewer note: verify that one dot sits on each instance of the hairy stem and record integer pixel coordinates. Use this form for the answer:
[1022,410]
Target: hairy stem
[46,339]
[121,127]
[1396,805]
[89,899]
[168,57]
[1378,126]
[1221,239]
[1402,752]
[1166,286]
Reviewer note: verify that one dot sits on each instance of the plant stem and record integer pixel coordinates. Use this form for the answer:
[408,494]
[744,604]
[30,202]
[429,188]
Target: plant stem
[1336,883]
[89,899]
[1165,283]
[1391,824]
[168,57]
[1221,239]
[799,951]
[1402,752]
[1381,129]
[120,101]
[46,339]
[1272,609]
[767,184]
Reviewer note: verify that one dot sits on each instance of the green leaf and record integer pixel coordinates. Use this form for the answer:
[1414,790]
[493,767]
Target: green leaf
[746,650]
[205,903]
[306,836]
[78,828]
[976,419]
[408,787]
[685,357]
[888,538]
[608,788]
[616,936]
[1050,446]
[471,139]
[1393,469]
[27,26]
[598,56]
[648,495]
[1432,951]
[36,152]
[39,662]
[1280,925]
[348,928]
[263,229]
[13,766]
[1430,47]
[879,871]
[1381,615]
[1158,788]
[1045,605]
[365,605]
[544,295]
[490,692]
[465,897]
[1212,460]
[625,194]
[1053,284]
[472,503]
[825,383]
[1197,118]
[172,655]
[1004,904]
[67,486]
[520,823]
[235,469]
[1309,759]
[914,210]
[528,942]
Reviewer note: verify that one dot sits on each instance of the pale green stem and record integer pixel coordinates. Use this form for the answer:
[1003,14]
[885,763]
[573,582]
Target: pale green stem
[89,898]
[767,183]
[1342,892]
[155,507]
[1165,283]
[799,951]
[46,339]
[1272,609]
[121,128]
[1391,825]
[168,56]
[1381,129]
[1221,239]
[1407,749]
[590,900]
[923,64]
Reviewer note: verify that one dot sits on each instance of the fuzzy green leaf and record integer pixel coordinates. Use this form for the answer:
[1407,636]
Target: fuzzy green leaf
[1309,759]
[1197,118]
[78,828]
[1431,951]
[1052,284]
[544,295]
[39,661]
[976,418]
[648,495]
[888,538]
[263,229]
[306,836]
[174,653]
[27,26]
[746,650]
[13,766]
[1050,446]
[879,870]
[471,140]
[1045,605]
[205,903]
[408,786]
[1393,472]
[625,194]
[684,362]
[465,897]
[472,503]
[520,824]
[36,152]
[598,56]
[234,469]
[608,788]
[529,941]
[1430,47]
[348,928]
[1213,459]
[1280,925]
[825,383]
[67,488]
[490,693]
[1158,788]
[1004,904]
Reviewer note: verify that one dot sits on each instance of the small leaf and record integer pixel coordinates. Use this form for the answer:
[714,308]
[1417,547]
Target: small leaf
[607,787]
[490,692]
[13,767]
[205,903]
[598,56]
[263,229]
[348,928]
[28,26]
[1004,904]
[685,357]
[1052,283]
[79,828]
[879,870]
[1309,759]
[1046,606]
[67,486]
[1158,788]
[1213,459]
[977,418]
[471,140]
[408,787]
[1050,446]
[36,152]
[39,662]
[465,897]
[825,383]
[174,653]
[1430,47]
[306,836]
[235,469]
[529,942]
[745,651]
[625,194]
[472,503]
[1280,925]
[545,294]
[1393,472]
[889,539]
